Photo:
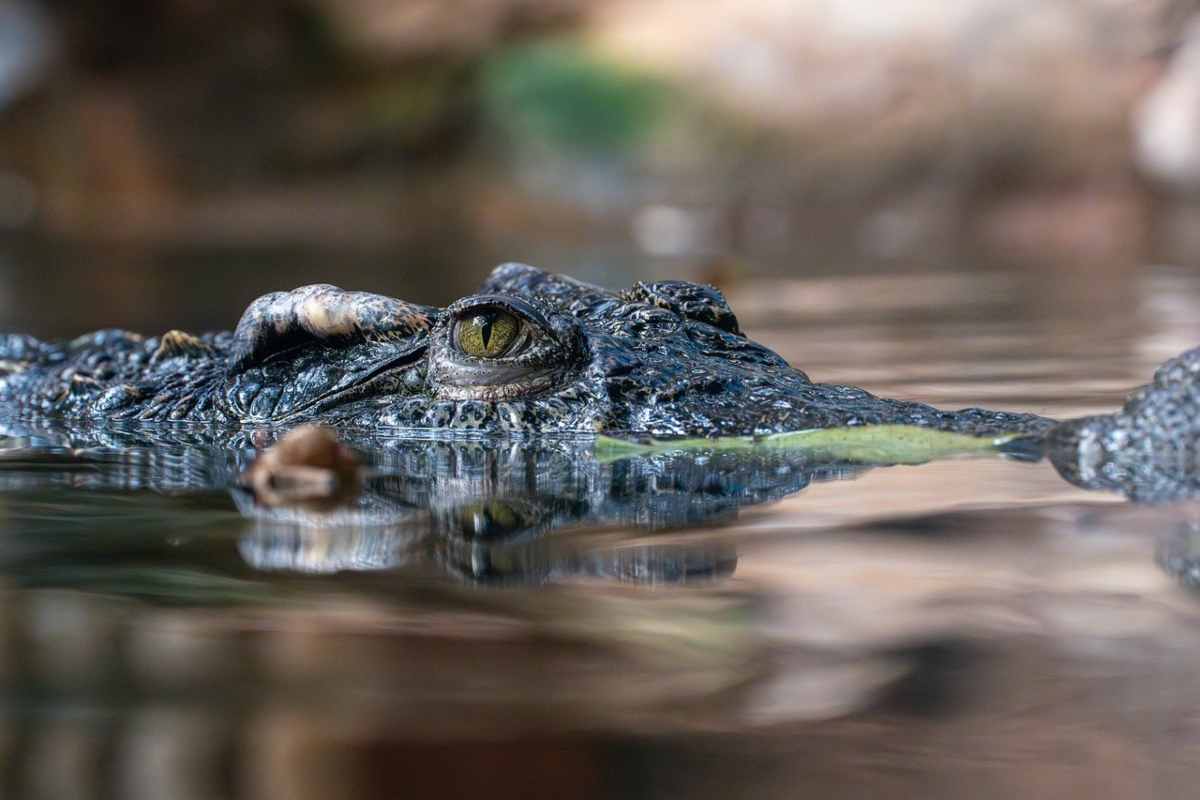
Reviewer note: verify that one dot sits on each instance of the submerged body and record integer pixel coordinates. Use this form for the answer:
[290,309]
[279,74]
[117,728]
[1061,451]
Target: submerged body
[530,353]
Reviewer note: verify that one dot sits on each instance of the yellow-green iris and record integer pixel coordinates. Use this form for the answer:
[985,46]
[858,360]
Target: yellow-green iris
[488,333]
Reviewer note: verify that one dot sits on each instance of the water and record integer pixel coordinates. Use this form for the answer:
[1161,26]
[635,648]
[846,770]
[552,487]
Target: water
[533,620]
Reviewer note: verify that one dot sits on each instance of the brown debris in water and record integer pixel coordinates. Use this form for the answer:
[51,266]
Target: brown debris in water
[308,468]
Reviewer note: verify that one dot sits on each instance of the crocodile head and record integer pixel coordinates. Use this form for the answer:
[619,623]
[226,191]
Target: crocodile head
[530,352]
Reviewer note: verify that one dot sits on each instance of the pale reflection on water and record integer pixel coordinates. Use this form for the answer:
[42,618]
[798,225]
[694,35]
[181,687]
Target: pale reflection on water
[964,628]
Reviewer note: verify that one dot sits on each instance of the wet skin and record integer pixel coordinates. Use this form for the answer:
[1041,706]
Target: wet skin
[536,353]
[531,352]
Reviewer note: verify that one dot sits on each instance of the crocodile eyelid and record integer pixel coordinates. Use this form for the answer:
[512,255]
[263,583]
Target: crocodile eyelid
[321,312]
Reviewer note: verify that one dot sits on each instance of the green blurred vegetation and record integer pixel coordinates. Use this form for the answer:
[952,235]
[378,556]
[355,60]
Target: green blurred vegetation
[558,94]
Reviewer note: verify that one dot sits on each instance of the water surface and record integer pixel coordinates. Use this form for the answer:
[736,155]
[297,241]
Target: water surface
[528,620]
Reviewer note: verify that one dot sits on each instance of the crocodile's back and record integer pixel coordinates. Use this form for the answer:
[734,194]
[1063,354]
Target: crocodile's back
[113,374]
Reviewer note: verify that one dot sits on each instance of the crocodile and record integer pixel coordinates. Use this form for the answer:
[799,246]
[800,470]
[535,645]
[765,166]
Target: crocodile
[537,353]
[530,352]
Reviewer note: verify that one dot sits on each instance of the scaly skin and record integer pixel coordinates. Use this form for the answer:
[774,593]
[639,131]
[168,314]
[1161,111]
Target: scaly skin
[661,359]
[1147,450]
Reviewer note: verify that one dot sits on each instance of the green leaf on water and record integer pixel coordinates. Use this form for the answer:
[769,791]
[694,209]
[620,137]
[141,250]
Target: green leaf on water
[871,444]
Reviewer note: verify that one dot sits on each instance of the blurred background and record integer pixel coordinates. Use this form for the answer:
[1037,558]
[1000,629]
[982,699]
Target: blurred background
[991,202]
[162,163]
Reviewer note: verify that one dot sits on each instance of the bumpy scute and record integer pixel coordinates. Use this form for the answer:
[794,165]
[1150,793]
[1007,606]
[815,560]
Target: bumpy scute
[1150,449]
[664,358]
[322,313]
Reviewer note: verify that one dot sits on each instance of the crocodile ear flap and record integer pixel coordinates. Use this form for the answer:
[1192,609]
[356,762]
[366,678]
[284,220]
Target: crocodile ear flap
[322,313]
[694,301]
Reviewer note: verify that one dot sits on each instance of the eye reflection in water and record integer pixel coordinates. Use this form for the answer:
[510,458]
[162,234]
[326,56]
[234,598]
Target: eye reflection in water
[485,511]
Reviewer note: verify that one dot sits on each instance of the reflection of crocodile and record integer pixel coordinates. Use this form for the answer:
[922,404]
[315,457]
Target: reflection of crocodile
[539,353]
[481,509]
[477,508]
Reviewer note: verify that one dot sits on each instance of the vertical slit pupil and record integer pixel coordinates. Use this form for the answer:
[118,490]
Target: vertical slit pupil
[484,323]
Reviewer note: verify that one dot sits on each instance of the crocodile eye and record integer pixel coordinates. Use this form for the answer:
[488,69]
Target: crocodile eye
[498,347]
[487,332]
